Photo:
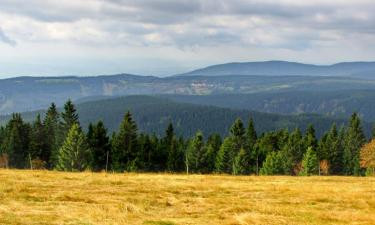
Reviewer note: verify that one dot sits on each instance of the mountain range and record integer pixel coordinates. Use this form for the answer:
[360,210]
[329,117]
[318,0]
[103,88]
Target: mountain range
[293,89]
[284,68]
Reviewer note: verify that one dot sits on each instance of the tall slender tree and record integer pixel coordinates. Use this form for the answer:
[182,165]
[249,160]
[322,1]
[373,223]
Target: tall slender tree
[354,140]
[98,141]
[125,145]
[51,125]
[16,142]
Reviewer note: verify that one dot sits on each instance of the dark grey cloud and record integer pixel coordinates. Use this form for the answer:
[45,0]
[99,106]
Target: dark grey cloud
[5,39]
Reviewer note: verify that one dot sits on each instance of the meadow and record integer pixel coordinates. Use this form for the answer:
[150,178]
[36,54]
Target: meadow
[48,197]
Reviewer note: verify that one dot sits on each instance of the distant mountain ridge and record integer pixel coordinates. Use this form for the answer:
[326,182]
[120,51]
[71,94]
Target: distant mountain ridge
[285,68]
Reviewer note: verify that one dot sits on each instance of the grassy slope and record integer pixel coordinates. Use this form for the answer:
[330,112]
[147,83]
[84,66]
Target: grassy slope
[43,197]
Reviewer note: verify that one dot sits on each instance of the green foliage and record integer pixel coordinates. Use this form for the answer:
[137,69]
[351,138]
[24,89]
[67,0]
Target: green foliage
[75,154]
[353,141]
[310,163]
[275,164]
[125,146]
[224,158]
[16,142]
[52,136]
[195,153]
[98,141]
[242,162]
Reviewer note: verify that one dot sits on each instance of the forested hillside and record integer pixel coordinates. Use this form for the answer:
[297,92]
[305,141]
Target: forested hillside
[153,114]
[33,93]
[338,103]
[58,142]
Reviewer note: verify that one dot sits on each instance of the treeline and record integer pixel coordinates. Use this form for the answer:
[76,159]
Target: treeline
[59,142]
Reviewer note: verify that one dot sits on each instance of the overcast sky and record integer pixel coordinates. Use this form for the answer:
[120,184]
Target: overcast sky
[163,37]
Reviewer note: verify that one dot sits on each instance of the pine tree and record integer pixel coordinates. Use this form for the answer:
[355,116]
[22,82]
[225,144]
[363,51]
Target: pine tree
[175,156]
[125,146]
[242,162]
[335,151]
[310,138]
[38,142]
[16,142]
[52,137]
[69,117]
[224,158]
[294,150]
[75,154]
[98,141]
[275,164]
[310,163]
[209,157]
[195,153]
[251,134]
[354,140]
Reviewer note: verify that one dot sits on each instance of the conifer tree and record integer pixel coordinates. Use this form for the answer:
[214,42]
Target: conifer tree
[294,150]
[251,134]
[98,141]
[125,146]
[275,164]
[195,153]
[38,142]
[175,156]
[209,157]
[242,162]
[335,151]
[74,154]
[354,140]
[310,138]
[16,142]
[69,117]
[224,158]
[310,163]
[52,136]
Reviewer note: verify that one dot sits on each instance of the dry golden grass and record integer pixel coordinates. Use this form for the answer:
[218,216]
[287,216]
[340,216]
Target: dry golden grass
[43,197]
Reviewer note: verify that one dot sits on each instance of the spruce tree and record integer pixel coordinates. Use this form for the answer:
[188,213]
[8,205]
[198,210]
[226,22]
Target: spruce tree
[251,134]
[238,132]
[209,157]
[16,142]
[335,151]
[294,150]
[175,156]
[225,157]
[242,162]
[69,117]
[354,140]
[51,125]
[195,153]
[98,141]
[310,138]
[310,163]
[38,142]
[74,154]
[275,164]
[125,146]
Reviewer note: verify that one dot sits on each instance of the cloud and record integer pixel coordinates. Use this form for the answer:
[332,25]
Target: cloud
[189,27]
[4,38]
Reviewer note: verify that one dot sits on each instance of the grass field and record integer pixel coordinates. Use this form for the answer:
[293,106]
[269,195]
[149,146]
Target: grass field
[42,197]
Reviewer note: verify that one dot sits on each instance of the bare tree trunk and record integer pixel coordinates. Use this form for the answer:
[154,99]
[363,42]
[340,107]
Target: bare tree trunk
[106,164]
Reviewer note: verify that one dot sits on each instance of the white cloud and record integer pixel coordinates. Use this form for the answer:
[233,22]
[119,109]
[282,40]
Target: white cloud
[184,31]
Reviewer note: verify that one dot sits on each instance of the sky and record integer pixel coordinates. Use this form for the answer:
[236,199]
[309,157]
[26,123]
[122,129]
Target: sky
[165,37]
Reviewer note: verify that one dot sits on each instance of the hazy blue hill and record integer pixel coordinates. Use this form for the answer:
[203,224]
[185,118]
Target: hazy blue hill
[32,93]
[154,113]
[283,68]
